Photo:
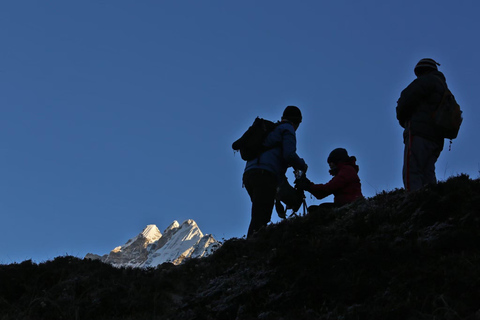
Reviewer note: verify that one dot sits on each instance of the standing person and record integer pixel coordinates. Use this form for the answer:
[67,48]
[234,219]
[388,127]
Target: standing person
[422,138]
[345,184]
[263,174]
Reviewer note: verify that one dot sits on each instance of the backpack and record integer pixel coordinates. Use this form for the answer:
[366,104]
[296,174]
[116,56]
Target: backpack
[250,143]
[448,116]
[292,197]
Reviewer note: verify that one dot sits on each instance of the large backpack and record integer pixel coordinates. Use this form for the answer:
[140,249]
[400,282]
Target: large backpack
[448,116]
[250,143]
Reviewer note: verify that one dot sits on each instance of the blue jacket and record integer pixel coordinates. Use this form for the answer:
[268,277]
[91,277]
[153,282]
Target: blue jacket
[283,154]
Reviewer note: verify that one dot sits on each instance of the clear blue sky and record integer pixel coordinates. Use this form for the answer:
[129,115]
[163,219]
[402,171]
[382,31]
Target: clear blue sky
[118,114]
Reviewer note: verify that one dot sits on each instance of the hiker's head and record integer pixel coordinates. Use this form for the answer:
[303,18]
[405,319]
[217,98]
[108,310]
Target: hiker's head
[292,114]
[338,155]
[425,66]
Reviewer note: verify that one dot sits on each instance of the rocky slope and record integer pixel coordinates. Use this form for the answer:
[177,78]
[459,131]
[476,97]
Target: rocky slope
[397,255]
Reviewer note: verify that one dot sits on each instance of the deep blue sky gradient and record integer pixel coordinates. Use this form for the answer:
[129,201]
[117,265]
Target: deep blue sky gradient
[119,114]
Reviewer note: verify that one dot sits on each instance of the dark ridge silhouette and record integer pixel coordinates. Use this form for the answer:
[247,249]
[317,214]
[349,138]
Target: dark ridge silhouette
[397,255]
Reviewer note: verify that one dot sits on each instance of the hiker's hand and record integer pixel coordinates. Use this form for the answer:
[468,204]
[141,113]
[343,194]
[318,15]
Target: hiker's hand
[305,168]
[303,183]
[302,166]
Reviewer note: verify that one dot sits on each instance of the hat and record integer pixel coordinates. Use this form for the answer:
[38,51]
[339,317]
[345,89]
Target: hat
[338,155]
[293,114]
[425,64]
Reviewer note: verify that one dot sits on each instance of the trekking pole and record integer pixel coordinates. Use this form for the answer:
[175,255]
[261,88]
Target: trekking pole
[298,174]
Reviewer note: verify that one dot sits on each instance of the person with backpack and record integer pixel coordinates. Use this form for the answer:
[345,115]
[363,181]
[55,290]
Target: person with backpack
[267,170]
[422,136]
[345,184]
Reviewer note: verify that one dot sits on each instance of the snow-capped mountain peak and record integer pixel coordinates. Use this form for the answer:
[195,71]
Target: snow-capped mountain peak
[151,233]
[172,226]
[150,248]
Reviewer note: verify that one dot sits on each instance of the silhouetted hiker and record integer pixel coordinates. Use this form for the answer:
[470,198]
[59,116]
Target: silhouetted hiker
[423,138]
[263,174]
[345,184]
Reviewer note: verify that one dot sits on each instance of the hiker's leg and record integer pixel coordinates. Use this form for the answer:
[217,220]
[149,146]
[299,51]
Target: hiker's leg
[422,158]
[328,205]
[414,164]
[261,186]
[407,164]
[431,158]
[325,205]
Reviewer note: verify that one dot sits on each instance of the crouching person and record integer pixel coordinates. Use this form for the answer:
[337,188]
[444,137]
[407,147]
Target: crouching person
[345,184]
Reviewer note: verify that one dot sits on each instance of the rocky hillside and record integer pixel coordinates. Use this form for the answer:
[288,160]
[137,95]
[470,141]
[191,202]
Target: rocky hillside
[397,255]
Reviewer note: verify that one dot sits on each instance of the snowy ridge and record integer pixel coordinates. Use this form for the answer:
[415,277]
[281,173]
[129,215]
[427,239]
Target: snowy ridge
[179,246]
[149,235]
[151,248]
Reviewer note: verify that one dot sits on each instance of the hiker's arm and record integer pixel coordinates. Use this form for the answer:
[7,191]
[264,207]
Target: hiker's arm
[318,191]
[289,149]
[321,191]
[409,100]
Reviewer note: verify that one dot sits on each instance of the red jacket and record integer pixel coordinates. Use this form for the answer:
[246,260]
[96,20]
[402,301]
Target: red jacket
[345,185]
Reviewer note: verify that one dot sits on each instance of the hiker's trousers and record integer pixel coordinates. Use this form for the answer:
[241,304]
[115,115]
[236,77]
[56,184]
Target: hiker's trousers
[419,158]
[261,186]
